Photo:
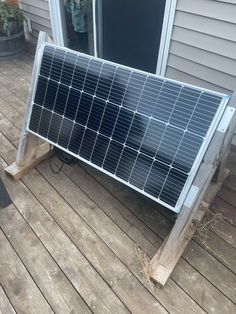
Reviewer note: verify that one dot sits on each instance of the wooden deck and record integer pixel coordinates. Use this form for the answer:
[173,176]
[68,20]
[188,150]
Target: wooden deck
[77,242]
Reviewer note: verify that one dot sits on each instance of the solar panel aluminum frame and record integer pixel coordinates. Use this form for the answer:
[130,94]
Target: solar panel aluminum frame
[200,155]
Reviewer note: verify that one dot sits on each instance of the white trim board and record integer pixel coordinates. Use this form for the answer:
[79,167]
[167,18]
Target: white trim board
[167,27]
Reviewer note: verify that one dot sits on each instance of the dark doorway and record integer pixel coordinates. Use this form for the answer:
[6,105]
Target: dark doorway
[129,31]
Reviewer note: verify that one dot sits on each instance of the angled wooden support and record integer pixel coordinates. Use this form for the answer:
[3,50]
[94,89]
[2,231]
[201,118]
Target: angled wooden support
[29,153]
[164,261]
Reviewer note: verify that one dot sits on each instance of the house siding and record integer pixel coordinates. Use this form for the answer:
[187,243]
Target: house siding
[38,13]
[203,44]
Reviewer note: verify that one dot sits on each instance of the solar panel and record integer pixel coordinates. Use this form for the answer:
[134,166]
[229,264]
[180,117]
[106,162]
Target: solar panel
[148,132]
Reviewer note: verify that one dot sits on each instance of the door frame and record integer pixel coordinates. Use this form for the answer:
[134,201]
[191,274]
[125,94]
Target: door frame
[167,26]
[59,30]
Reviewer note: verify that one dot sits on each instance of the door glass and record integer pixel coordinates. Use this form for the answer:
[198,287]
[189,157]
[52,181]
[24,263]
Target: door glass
[79,25]
[129,31]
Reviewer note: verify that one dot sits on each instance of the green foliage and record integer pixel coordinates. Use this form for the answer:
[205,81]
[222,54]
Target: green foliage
[11,19]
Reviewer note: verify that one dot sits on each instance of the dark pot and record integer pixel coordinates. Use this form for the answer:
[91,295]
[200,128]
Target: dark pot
[13,45]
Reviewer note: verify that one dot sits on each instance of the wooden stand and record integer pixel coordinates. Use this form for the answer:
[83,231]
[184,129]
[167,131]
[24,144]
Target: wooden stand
[198,199]
[29,153]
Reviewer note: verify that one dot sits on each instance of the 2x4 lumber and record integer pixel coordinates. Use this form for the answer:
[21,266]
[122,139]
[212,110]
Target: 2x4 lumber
[165,259]
[110,268]
[29,153]
[42,153]
[113,206]
[94,291]
[195,255]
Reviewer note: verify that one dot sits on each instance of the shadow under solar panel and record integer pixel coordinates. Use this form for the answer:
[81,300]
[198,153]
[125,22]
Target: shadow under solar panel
[148,132]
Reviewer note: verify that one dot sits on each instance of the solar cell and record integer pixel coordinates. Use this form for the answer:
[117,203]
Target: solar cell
[148,132]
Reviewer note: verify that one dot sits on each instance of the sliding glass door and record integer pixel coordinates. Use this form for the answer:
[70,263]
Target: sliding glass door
[129,32]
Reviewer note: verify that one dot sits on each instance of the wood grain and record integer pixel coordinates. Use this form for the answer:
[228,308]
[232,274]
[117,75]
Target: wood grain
[59,292]
[18,284]
[96,293]
[5,304]
[110,268]
[195,255]
[219,205]
[113,236]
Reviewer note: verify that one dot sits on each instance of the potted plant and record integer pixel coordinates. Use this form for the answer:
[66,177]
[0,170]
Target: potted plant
[12,38]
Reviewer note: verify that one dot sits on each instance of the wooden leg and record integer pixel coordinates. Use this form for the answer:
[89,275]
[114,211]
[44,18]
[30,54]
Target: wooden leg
[161,266]
[41,153]
[164,261]
[29,153]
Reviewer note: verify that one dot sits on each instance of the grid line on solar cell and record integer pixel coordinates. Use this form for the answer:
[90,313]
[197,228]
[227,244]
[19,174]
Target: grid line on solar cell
[166,122]
[128,123]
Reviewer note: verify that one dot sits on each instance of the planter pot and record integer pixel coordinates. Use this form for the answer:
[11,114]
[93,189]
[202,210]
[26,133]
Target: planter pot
[12,46]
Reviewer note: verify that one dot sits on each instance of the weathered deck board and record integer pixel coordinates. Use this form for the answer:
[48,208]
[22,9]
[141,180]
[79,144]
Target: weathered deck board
[5,304]
[203,292]
[112,235]
[53,283]
[125,252]
[220,206]
[111,205]
[88,226]
[221,250]
[17,283]
[225,230]
[64,182]
[231,182]
[129,198]
[93,289]
[101,257]
[228,195]
[11,114]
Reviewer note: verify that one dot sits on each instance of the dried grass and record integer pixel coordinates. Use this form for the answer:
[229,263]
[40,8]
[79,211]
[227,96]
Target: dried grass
[208,223]
[144,263]
[201,234]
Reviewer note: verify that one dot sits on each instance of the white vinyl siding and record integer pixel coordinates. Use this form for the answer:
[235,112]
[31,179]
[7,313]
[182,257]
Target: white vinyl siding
[203,44]
[38,13]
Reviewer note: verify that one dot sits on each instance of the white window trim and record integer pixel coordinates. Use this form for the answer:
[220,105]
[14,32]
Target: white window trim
[167,27]
[59,33]
[58,24]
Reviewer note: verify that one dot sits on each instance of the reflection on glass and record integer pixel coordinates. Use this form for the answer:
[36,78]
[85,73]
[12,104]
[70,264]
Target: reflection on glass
[79,24]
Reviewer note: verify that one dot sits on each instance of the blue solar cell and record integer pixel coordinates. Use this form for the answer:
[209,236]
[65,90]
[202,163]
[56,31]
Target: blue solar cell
[50,95]
[35,118]
[47,61]
[122,125]
[126,163]
[72,103]
[61,99]
[100,149]
[65,132]
[45,120]
[96,113]
[140,171]
[144,130]
[87,144]
[112,156]
[83,109]
[76,138]
[54,127]
[68,68]
[57,64]
[109,119]
[40,92]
